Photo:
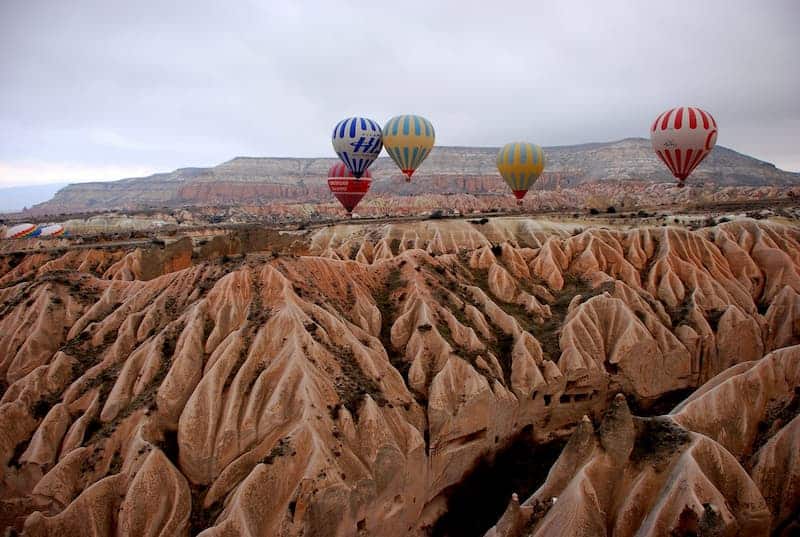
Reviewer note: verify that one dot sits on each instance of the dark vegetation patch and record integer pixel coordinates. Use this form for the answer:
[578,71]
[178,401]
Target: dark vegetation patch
[778,414]
[386,303]
[709,523]
[14,259]
[593,211]
[480,222]
[540,509]
[611,210]
[352,385]
[478,501]
[26,294]
[240,359]
[652,259]
[89,464]
[548,332]
[661,405]
[200,517]
[657,439]
[437,214]
[257,315]
[19,450]
[116,463]
[97,429]
[713,318]
[169,446]
[41,407]
[681,314]
[85,353]
[281,449]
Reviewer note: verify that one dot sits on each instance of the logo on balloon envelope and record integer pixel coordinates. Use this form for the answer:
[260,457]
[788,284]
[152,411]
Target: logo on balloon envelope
[682,137]
[349,191]
[358,142]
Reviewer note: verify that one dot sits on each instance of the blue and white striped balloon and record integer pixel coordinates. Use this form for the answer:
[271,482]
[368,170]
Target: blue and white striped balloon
[358,142]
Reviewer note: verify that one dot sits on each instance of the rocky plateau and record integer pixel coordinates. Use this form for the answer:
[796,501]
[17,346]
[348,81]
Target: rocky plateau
[576,176]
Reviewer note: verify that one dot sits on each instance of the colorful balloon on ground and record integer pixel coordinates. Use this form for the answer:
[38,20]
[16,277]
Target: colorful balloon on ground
[682,137]
[520,164]
[347,189]
[22,231]
[357,141]
[52,230]
[408,140]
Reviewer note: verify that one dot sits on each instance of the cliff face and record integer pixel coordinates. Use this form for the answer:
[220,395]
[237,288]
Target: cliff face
[724,462]
[343,381]
[447,170]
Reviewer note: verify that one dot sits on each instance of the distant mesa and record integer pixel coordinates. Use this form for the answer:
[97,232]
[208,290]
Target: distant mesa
[448,170]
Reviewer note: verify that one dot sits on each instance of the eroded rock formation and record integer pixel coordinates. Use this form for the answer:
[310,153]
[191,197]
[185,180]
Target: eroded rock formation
[345,382]
[724,462]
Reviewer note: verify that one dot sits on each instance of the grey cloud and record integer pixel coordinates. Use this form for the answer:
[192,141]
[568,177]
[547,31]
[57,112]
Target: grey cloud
[168,84]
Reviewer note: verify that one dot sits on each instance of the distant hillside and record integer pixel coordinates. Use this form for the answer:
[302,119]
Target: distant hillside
[447,170]
[16,198]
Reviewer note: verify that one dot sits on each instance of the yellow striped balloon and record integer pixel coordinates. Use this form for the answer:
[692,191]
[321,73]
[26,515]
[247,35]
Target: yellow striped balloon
[520,164]
[408,139]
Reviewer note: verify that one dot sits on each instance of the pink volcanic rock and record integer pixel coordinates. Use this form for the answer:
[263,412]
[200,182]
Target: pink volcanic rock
[345,379]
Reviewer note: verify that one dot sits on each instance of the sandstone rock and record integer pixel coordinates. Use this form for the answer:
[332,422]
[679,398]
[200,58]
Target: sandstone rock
[345,379]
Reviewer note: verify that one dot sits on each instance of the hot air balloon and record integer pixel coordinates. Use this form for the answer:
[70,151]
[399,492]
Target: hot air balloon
[520,164]
[408,140]
[357,141]
[682,137]
[53,230]
[22,231]
[347,189]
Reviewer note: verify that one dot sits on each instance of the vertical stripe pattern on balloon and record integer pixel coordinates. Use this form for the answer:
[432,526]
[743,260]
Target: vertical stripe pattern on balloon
[358,142]
[520,164]
[408,140]
[682,137]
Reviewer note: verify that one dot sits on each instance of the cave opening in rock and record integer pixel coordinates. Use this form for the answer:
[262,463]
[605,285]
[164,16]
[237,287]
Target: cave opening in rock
[476,503]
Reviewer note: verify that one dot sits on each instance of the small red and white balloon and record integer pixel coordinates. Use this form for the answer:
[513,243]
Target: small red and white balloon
[682,137]
[348,189]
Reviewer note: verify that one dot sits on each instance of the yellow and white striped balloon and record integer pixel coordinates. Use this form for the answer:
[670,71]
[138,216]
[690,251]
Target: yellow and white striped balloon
[520,164]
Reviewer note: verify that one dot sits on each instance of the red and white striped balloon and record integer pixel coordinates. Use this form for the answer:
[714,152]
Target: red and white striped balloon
[682,137]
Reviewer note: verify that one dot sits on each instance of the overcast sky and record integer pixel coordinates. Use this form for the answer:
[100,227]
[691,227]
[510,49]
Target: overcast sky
[109,89]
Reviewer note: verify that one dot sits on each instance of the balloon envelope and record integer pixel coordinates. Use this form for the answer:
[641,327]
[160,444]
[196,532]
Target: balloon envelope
[52,230]
[520,164]
[21,231]
[347,189]
[408,140]
[340,170]
[682,137]
[358,142]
